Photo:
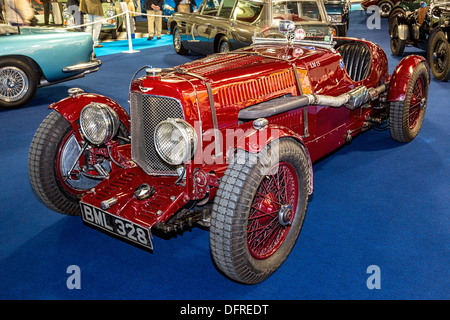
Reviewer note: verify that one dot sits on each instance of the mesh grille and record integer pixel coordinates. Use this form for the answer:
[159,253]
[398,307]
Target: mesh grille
[146,112]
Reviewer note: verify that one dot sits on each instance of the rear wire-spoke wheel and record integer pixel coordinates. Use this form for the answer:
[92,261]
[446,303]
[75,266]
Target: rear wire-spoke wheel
[439,56]
[406,117]
[259,210]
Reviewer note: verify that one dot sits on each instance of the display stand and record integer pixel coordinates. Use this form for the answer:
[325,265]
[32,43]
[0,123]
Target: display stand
[129,25]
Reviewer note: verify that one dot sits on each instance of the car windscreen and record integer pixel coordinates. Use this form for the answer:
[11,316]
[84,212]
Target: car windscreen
[211,7]
[227,7]
[247,11]
[296,11]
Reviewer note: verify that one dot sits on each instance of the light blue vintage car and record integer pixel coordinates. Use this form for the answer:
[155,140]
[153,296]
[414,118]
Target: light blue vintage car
[35,57]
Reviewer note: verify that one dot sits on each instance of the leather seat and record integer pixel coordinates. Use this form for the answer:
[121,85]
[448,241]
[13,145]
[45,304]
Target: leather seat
[357,60]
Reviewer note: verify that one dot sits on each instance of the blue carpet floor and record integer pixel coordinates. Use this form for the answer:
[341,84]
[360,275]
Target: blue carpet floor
[376,202]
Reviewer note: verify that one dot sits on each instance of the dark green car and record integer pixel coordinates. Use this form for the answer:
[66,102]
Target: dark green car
[426,28]
[406,7]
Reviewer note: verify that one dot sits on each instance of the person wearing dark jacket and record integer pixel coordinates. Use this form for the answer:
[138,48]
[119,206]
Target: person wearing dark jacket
[154,9]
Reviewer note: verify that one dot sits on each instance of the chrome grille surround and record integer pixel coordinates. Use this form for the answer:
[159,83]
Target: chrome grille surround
[146,112]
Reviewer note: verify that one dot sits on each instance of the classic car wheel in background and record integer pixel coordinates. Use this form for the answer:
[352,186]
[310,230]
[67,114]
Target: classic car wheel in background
[18,83]
[439,56]
[258,211]
[53,152]
[385,8]
[177,44]
[397,45]
[224,45]
[406,117]
[341,30]
[393,15]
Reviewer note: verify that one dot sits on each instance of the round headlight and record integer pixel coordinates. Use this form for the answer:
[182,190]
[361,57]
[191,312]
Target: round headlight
[110,12]
[175,141]
[99,123]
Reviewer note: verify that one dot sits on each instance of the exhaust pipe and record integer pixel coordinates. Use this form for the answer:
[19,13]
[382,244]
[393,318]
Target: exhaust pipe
[351,100]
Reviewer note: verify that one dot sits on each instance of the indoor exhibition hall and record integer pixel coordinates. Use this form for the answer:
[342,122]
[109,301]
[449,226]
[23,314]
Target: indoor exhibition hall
[226,150]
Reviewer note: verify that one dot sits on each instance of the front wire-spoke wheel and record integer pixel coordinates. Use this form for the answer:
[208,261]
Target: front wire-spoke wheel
[259,210]
[57,165]
[272,211]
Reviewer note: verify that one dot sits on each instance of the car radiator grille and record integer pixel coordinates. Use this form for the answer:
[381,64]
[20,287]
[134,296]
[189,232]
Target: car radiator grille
[146,112]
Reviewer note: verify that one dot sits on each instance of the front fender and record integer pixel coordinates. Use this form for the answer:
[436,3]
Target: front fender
[254,141]
[401,76]
[70,108]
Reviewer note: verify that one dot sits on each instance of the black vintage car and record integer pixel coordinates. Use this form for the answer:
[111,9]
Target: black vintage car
[427,28]
[223,25]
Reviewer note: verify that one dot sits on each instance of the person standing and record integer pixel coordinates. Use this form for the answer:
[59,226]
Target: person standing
[93,11]
[185,6]
[46,4]
[19,12]
[154,7]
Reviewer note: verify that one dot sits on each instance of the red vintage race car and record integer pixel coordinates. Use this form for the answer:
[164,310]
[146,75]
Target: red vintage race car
[227,141]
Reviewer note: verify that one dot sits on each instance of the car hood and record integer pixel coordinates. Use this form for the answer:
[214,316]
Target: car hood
[242,78]
[35,30]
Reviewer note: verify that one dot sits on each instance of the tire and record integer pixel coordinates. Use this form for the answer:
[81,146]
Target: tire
[114,34]
[341,30]
[439,56]
[397,45]
[18,83]
[53,151]
[385,8]
[177,44]
[235,220]
[224,45]
[406,117]
[392,15]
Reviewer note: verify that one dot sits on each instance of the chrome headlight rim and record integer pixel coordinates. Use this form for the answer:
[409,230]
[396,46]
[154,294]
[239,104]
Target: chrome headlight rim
[106,117]
[188,134]
[335,18]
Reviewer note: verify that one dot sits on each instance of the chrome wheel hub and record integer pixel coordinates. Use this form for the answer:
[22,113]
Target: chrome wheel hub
[285,215]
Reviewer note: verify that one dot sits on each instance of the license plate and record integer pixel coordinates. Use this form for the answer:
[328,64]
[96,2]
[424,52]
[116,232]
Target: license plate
[116,225]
